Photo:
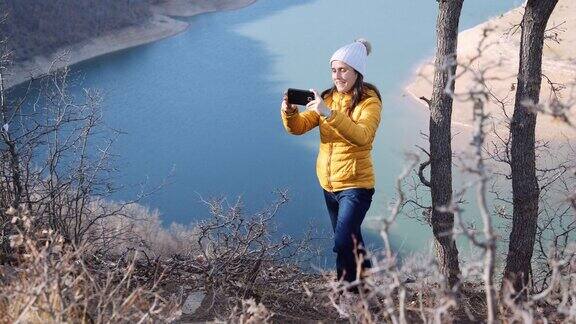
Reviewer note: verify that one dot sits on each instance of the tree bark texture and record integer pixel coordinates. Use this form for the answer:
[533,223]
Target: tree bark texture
[440,138]
[525,187]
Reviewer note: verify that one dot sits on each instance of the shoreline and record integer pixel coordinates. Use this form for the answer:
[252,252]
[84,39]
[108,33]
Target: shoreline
[500,60]
[156,28]
[188,8]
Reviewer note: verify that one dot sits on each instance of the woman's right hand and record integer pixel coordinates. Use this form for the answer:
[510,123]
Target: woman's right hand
[286,107]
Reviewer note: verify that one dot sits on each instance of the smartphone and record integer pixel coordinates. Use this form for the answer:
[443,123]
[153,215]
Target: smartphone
[299,97]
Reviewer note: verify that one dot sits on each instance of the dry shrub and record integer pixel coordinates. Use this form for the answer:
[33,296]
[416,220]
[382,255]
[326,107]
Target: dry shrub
[242,258]
[415,292]
[56,282]
[556,303]
[137,227]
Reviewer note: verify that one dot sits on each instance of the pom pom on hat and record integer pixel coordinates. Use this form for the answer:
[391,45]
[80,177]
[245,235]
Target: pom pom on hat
[366,44]
[354,54]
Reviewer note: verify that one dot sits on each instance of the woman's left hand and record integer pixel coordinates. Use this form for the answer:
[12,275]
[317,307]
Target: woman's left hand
[318,105]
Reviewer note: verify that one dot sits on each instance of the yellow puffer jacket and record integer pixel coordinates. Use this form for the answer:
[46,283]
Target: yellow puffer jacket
[344,159]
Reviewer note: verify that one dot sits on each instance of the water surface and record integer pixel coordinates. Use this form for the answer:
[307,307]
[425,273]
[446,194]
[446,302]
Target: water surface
[203,106]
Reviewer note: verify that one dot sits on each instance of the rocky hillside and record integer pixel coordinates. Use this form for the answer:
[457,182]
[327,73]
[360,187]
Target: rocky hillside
[36,27]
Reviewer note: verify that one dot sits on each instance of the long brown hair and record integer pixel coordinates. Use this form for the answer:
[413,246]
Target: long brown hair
[359,92]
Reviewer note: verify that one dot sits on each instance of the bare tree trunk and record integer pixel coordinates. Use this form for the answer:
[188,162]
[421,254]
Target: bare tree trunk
[440,138]
[522,131]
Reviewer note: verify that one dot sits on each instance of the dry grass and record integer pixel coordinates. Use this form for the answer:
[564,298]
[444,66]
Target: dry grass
[51,281]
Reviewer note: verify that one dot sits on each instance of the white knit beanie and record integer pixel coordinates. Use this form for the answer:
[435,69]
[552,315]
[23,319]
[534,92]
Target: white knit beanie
[354,54]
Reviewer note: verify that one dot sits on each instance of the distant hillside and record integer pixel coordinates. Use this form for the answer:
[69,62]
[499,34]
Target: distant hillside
[39,27]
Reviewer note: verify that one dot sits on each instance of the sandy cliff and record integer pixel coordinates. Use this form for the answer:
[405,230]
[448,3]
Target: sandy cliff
[499,58]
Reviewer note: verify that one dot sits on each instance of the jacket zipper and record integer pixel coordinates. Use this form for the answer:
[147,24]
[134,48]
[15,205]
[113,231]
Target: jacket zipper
[330,152]
[328,167]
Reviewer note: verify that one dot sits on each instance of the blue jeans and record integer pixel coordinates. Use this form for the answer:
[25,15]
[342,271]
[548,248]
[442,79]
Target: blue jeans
[347,209]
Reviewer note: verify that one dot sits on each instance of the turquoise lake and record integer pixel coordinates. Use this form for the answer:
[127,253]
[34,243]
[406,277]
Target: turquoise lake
[201,109]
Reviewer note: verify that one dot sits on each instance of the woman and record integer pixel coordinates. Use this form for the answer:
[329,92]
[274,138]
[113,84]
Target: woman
[348,115]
